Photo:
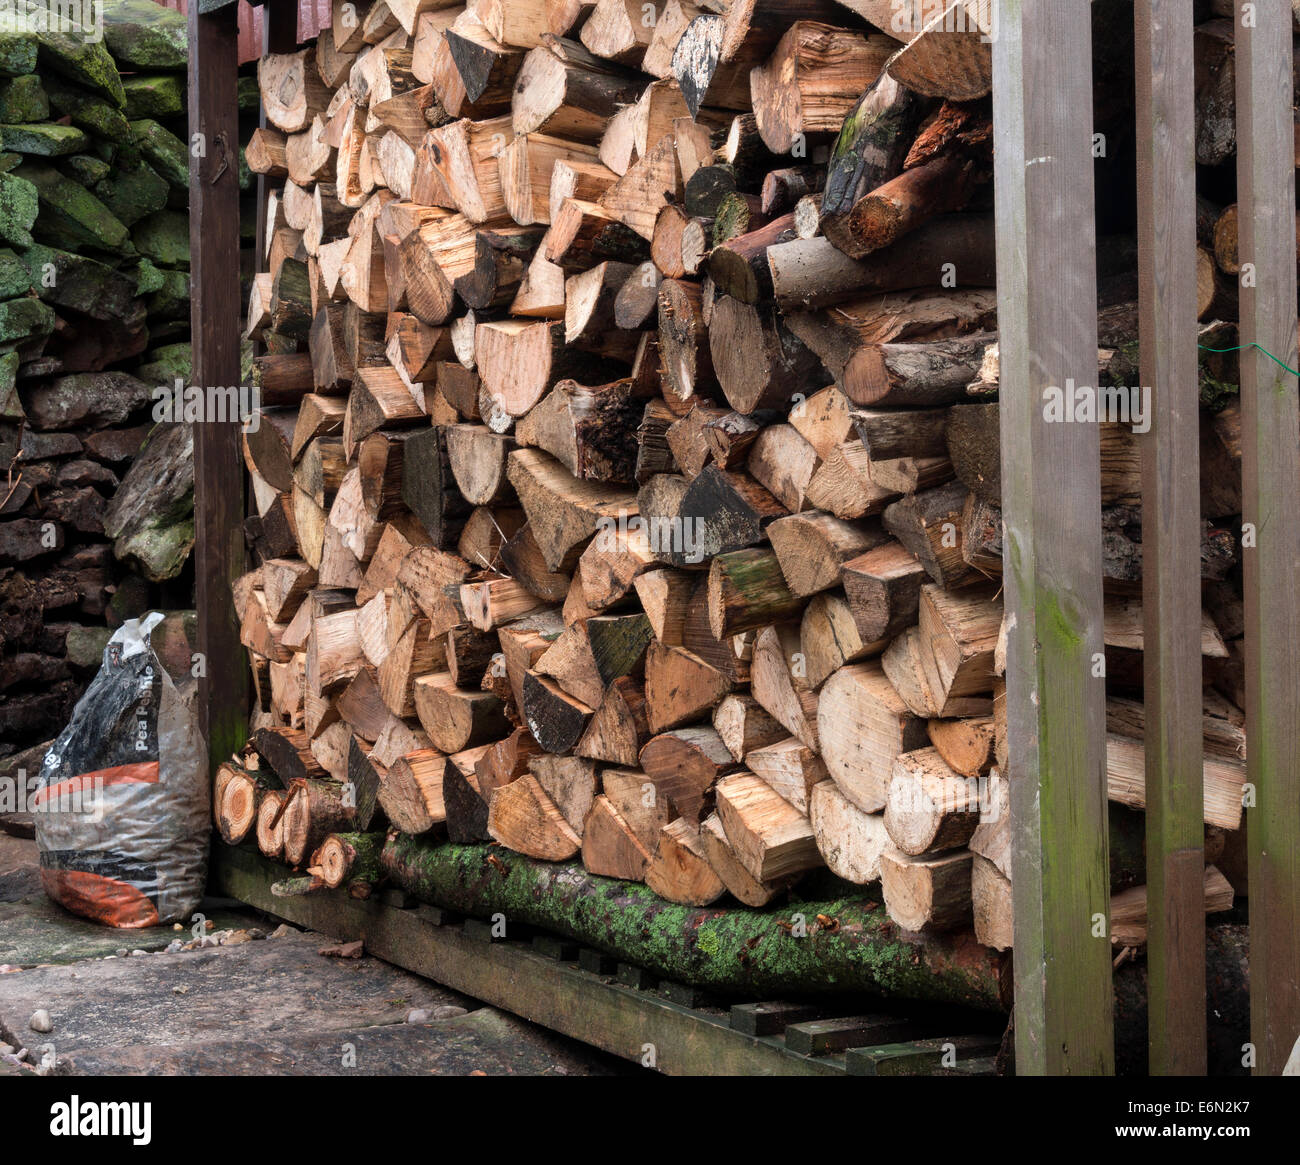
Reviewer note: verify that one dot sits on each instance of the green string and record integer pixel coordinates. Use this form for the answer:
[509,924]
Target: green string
[1241,347]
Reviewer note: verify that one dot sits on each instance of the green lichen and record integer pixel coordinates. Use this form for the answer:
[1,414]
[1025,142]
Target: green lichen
[82,61]
[164,238]
[132,192]
[23,99]
[164,151]
[70,215]
[45,139]
[19,204]
[84,169]
[17,53]
[141,35]
[93,114]
[162,95]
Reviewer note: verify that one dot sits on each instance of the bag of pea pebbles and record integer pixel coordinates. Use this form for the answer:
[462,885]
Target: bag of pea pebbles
[121,803]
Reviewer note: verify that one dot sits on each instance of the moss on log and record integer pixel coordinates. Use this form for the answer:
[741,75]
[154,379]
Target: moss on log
[143,35]
[737,951]
[159,95]
[82,61]
[23,99]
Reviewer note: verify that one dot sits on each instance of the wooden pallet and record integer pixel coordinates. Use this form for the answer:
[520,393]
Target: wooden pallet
[590,996]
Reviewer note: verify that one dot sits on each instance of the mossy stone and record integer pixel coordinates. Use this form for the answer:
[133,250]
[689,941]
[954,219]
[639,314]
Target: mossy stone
[164,238]
[154,95]
[80,283]
[45,139]
[164,151]
[167,364]
[83,61]
[143,35]
[19,203]
[148,278]
[23,99]
[17,54]
[20,319]
[71,216]
[15,279]
[171,301]
[132,192]
[85,169]
[91,113]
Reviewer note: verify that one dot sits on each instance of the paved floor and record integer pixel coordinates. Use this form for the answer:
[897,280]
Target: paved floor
[266,1000]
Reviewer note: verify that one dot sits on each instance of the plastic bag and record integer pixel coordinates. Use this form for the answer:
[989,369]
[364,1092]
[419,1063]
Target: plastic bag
[121,803]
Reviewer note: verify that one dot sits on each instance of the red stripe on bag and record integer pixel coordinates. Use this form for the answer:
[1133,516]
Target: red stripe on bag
[104,899]
[143,772]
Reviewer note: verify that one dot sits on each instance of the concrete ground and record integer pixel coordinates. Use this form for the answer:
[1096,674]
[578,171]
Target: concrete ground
[262,1000]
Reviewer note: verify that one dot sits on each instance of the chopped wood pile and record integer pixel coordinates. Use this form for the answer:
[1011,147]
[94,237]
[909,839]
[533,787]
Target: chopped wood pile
[96,508]
[631,488]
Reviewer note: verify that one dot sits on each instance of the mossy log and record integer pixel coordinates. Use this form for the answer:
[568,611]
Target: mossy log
[734,951]
[350,857]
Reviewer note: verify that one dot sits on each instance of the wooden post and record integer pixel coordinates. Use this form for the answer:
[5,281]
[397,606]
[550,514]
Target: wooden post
[215,327]
[1271,524]
[1171,572]
[1051,491]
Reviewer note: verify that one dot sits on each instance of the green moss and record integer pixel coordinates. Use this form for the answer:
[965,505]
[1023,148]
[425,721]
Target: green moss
[91,113]
[164,238]
[19,204]
[172,300]
[45,139]
[23,99]
[148,278]
[164,151]
[23,318]
[160,95]
[132,192]
[84,169]
[17,54]
[82,61]
[15,279]
[70,215]
[141,36]
[167,364]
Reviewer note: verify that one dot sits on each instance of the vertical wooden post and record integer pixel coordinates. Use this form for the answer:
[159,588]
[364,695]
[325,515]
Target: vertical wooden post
[1171,543]
[1051,494]
[1270,432]
[215,335]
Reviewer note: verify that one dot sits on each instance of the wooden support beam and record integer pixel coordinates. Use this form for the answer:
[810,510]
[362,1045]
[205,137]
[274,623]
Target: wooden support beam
[1046,281]
[1270,467]
[1171,543]
[215,315]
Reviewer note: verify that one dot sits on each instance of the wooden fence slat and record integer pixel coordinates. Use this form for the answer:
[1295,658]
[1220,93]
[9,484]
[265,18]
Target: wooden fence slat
[215,334]
[1270,433]
[1047,326]
[1171,569]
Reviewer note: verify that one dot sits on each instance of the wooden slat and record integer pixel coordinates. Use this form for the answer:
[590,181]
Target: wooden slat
[1051,491]
[1171,593]
[1270,430]
[215,330]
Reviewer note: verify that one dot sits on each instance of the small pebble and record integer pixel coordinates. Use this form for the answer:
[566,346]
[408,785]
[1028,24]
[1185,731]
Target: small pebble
[418,1015]
[180,990]
[122,952]
[284,930]
[174,946]
[137,951]
[446,1011]
[41,1021]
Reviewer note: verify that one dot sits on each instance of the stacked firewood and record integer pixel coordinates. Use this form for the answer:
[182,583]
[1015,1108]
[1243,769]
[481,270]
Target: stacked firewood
[96,507]
[631,488]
